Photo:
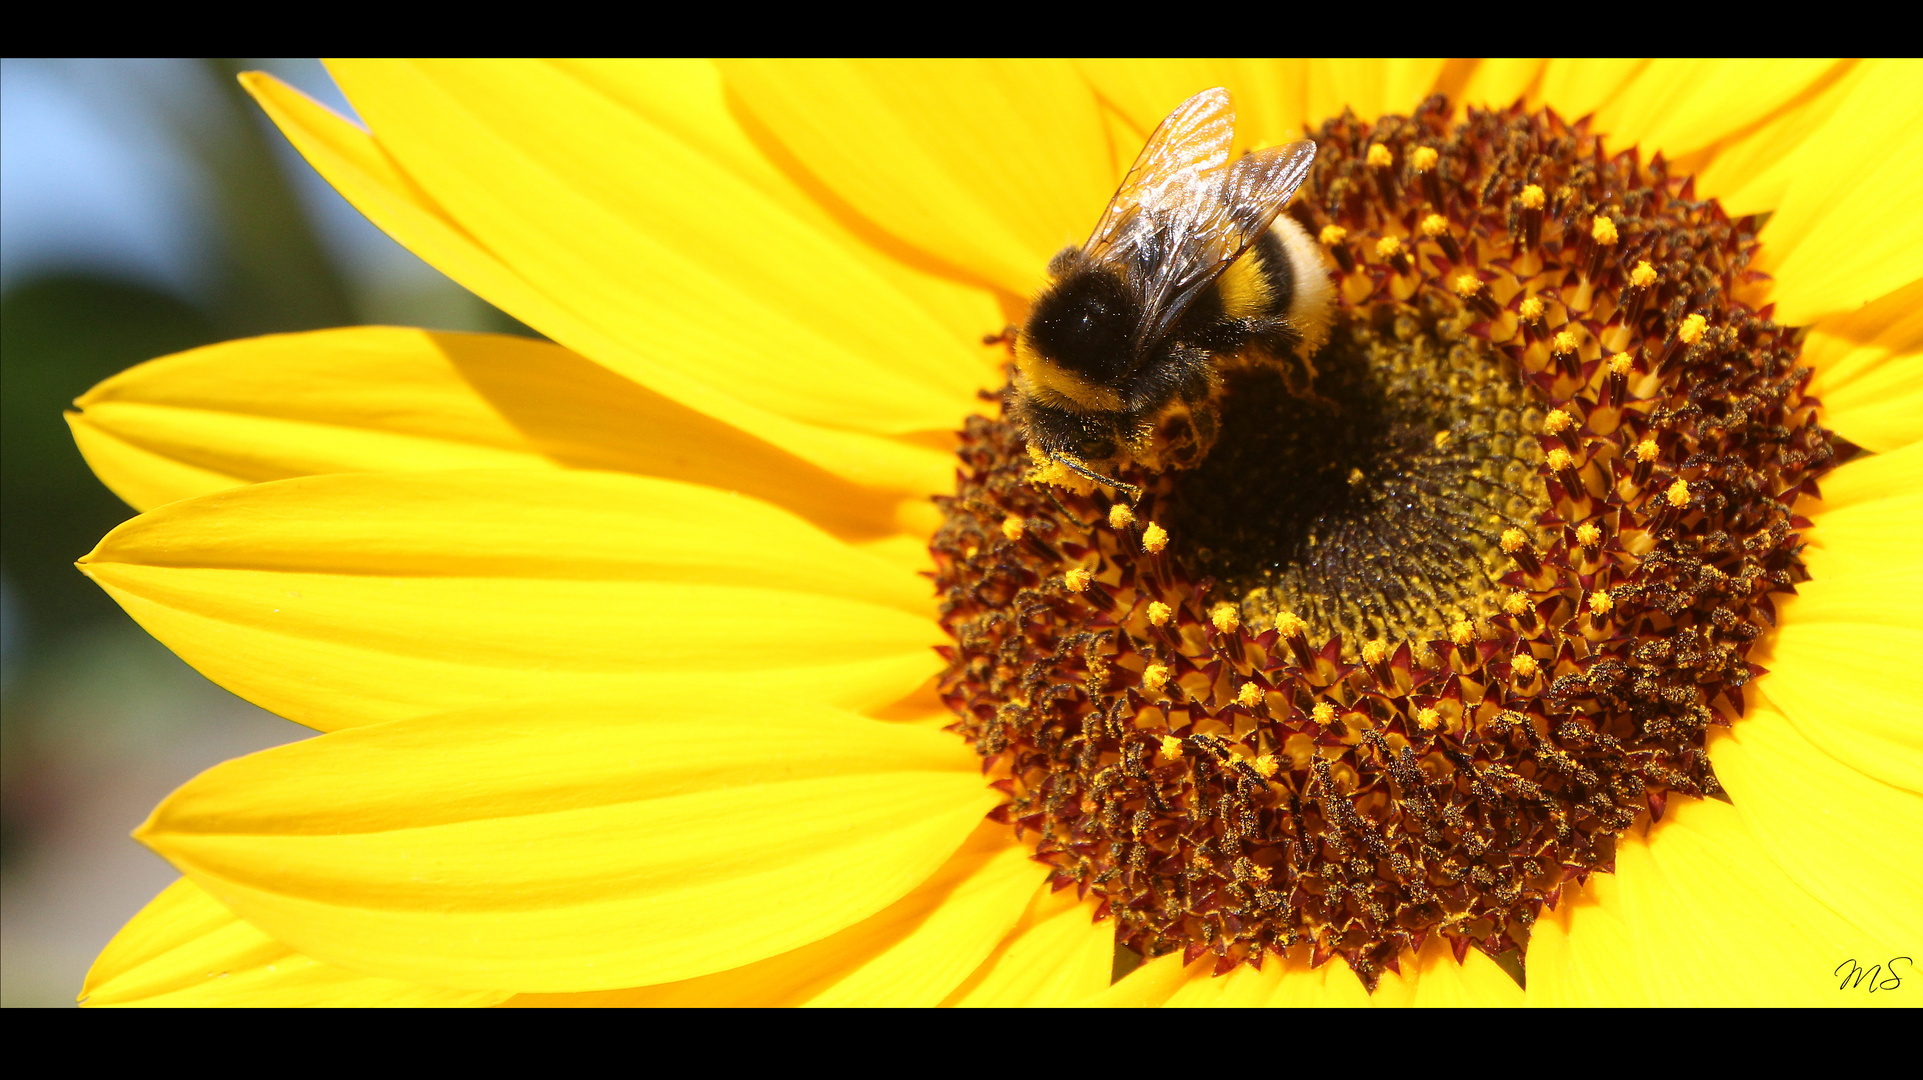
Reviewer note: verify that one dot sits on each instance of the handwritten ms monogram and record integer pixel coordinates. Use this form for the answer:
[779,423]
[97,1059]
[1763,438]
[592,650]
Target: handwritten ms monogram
[1880,977]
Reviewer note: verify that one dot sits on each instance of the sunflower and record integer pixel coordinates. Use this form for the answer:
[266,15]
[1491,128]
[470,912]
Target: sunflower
[624,649]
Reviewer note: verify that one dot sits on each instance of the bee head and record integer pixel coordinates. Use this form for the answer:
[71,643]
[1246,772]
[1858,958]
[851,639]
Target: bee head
[1077,341]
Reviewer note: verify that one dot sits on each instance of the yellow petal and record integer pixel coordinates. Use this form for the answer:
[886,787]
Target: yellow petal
[385,399]
[576,847]
[1268,98]
[1869,370]
[987,167]
[1578,87]
[1370,87]
[349,599]
[1679,106]
[1497,82]
[1841,668]
[1053,957]
[913,953]
[361,170]
[689,99]
[1697,914]
[660,245]
[1852,842]
[186,950]
[1868,538]
[1152,983]
[1847,230]
[1868,479]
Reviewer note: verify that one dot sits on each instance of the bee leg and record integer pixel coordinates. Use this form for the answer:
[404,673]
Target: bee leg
[1283,342]
[1005,336]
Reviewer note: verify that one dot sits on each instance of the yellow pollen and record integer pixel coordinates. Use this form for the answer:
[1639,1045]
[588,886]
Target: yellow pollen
[1643,276]
[1289,624]
[1564,341]
[1513,541]
[1516,603]
[1120,516]
[1374,652]
[1531,197]
[1462,632]
[1531,309]
[1442,440]
[1423,159]
[1266,766]
[1428,719]
[1077,579]
[1261,873]
[1159,613]
[1524,667]
[1678,493]
[1379,157]
[1249,695]
[1556,422]
[1692,329]
[1013,527]
[1588,535]
[1647,450]
[1620,363]
[1435,225]
[1388,247]
[1324,714]
[1154,677]
[1154,539]
[1226,617]
[1603,231]
[1171,748]
[1333,235]
[1559,459]
[1600,603]
[1466,285]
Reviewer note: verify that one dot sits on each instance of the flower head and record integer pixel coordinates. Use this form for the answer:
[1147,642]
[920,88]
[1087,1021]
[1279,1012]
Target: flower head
[622,654]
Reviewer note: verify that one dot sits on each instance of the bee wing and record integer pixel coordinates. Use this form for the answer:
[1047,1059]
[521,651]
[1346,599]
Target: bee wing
[1205,234]
[1184,158]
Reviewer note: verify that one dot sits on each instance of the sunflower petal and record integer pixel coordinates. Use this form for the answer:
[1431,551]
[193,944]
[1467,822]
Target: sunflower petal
[562,847]
[1852,842]
[1840,668]
[1869,479]
[652,240]
[1497,82]
[1696,914]
[1847,230]
[1680,106]
[1053,957]
[350,599]
[987,167]
[1268,97]
[387,399]
[1869,370]
[185,949]
[1369,86]
[1578,87]
[1867,538]
[913,953]
[361,170]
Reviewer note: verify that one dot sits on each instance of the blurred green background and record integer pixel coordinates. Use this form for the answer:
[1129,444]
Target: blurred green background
[148,208]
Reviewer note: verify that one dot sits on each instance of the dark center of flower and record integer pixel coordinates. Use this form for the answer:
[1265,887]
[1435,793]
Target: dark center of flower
[1405,654]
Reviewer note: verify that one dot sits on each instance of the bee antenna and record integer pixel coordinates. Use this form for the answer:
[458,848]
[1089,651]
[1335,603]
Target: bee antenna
[1134,492]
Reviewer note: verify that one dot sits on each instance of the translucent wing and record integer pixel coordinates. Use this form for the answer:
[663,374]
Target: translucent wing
[1185,156]
[1183,213]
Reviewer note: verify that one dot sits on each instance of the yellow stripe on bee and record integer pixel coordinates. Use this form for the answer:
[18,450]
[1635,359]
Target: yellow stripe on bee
[1245,289]
[1052,384]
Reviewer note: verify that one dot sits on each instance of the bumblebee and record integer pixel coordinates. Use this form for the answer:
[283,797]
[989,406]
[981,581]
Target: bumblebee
[1192,270]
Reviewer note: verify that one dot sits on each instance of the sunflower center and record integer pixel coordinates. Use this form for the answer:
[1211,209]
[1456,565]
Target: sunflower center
[1412,646]
[1375,509]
